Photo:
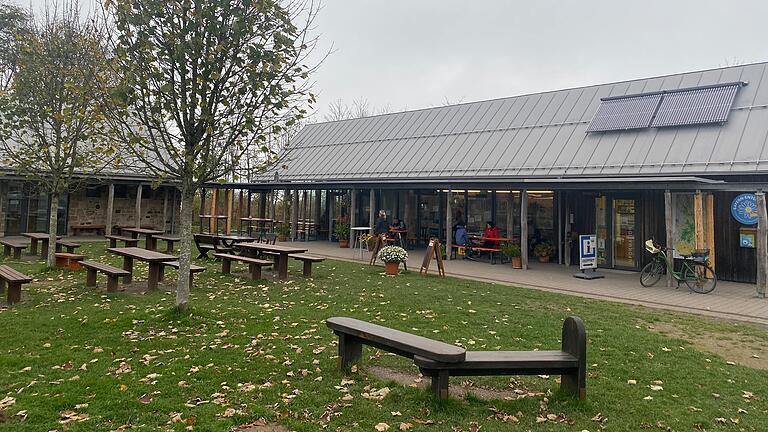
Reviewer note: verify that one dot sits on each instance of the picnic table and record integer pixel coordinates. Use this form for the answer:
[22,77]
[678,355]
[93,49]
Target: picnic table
[399,234]
[231,240]
[281,254]
[153,258]
[149,234]
[261,223]
[38,237]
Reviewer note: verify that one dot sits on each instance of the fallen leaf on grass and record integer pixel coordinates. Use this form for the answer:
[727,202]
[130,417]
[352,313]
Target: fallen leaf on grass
[381,427]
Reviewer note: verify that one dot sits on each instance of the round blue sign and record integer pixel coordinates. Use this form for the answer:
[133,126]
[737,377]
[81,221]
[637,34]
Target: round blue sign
[744,209]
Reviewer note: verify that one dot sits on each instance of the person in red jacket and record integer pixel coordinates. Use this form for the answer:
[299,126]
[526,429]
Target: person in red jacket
[491,231]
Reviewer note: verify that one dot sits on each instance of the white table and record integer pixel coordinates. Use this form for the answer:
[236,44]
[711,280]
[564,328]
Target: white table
[361,247]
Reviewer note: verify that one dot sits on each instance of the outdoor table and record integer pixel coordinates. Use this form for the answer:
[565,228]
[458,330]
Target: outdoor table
[230,240]
[361,248]
[42,238]
[399,233]
[149,234]
[281,252]
[154,259]
[261,223]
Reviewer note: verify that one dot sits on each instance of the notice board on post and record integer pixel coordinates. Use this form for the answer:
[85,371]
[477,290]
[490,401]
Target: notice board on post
[433,249]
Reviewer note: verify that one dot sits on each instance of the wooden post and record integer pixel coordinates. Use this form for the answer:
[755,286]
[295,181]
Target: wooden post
[240,204]
[510,204]
[448,224]
[263,204]
[138,206]
[710,211]
[668,225]
[295,215]
[110,209]
[560,243]
[317,212]
[698,219]
[165,208]
[566,233]
[230,197]
[372,210]
[272,204]
[212,226]
[762,244]
[329,198]
[524,228]
[353,218]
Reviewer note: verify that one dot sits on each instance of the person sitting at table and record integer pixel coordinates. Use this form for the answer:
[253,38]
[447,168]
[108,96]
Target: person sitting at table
[381,226]
[397,224]
[491,232]
[460,237]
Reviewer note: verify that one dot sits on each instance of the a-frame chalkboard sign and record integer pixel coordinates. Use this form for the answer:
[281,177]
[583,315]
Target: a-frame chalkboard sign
[433,248]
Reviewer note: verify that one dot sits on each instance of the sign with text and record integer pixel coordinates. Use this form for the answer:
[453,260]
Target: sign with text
[587,251]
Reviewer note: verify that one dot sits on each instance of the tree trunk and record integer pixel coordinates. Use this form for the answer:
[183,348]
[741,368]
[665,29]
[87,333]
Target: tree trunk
[53,225]
[185,252]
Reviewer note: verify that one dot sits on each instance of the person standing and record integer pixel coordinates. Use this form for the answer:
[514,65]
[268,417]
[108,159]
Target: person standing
[381,226]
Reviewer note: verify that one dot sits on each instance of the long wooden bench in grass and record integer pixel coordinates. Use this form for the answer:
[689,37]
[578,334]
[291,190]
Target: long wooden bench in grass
[307,260]
[169,241]
[254,264]
[440,361]
[113,273]
[193,269]
[11,281]
[127,241]
[68,245]
[13,246]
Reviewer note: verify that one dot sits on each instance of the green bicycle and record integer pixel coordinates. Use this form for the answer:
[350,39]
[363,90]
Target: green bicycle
[695,272]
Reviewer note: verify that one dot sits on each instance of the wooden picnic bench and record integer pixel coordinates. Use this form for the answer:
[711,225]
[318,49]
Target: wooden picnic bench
[175,264]
[127,241]
[169,241]
[78,229]
[69,260]
[13,246]
[113,273]
[491,251]
[38,237]
[152,258]
[307,260]
[440,361]
[208,242]
[68,245]
[254,264]
[11,281]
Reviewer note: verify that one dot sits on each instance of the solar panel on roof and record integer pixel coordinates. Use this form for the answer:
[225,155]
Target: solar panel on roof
[625,113]
[696,106]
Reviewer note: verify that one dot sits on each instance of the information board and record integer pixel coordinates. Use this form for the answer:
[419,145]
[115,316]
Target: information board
[587,251]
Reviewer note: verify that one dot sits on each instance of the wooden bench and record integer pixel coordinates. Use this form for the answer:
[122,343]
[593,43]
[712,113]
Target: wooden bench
[77,229]
[11,281]
[440,361]
[113,273]
[169,241]
[208,242]
[353,334]
[175,264]
[13,246]
[570,363]
[68,245]
[491,251]
[128,241]
[307,260]
[67,260]
[254,264]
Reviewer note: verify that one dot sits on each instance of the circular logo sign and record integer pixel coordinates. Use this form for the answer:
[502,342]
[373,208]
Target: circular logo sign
[744,209]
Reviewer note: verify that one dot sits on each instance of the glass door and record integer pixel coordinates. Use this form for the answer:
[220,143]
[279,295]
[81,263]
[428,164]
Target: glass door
[624,229]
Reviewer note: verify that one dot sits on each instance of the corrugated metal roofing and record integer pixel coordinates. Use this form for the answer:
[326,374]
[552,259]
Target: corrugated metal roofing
[537,135]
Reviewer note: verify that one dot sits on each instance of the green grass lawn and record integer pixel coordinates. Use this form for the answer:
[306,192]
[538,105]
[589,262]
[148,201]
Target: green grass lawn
[76,359]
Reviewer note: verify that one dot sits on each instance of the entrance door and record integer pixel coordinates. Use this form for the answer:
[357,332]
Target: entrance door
[624,232]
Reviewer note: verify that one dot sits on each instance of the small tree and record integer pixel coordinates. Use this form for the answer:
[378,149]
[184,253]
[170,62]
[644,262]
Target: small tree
[50,121]
[204,82]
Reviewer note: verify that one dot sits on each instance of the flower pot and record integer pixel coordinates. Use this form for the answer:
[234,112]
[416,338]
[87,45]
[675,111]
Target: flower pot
[517,262]
[282,237]
[343,243]
[391,268]
[543,258]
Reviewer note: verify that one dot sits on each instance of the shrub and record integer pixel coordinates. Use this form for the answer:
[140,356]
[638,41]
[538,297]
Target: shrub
[390,254]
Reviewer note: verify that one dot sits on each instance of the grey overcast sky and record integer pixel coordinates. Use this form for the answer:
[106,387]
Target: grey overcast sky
[409,54]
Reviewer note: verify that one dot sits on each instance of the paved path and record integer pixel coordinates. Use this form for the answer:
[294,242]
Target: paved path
[730,300]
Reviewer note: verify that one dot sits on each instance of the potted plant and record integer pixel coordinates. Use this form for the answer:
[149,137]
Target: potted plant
[543,250]
[342,232]
[369,240]
[282,231]
[392,256]
[514,253]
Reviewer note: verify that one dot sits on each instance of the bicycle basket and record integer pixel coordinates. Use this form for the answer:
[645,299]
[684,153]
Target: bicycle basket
[700,255]
[651,248]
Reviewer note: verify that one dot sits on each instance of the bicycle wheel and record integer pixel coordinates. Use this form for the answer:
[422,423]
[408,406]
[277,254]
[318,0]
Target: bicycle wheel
[651,273]
[699,277]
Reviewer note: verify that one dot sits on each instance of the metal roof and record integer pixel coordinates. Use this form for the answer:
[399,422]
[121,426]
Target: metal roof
[540,135]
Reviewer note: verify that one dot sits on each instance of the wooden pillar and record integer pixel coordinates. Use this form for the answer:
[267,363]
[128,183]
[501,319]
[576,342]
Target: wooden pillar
[110,208]
[372,210]
[407,215]
[524,228]
[263,204]
[329,198]
[307,214]
[566,234]
[230,197]
[448,224]
[138,206]
[316,213]
[668,225]
[214,198]
[165,208]
[353,217]
[509,203]
[762,244]
[560,212]
[202,207]
[698,219]
[286,194]
[294,214]
[710,212]
[240,204]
